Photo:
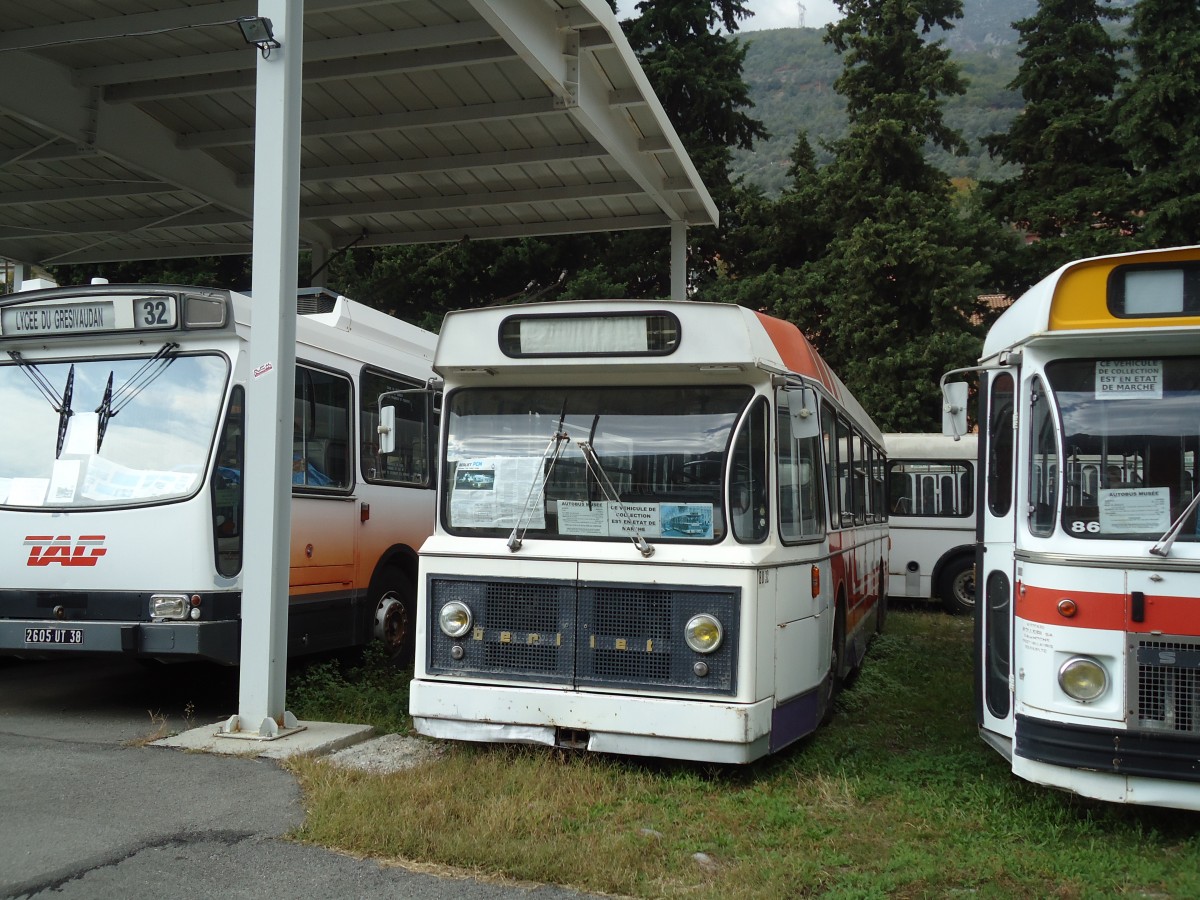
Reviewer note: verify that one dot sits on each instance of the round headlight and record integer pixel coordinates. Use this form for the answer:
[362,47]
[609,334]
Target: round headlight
[455,619]
[703,633]
[1082,679]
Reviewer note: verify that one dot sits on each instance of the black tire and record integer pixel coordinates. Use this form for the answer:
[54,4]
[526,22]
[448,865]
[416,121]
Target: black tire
[394,598]
[956,586]
[837,651]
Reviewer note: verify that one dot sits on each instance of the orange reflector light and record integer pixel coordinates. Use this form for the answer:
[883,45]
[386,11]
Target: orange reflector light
[1067,607]
[816,581]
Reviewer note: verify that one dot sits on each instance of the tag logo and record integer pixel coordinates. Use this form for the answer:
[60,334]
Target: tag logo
[45,550]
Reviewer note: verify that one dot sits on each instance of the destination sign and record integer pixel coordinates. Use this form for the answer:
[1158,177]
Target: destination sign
[88,316]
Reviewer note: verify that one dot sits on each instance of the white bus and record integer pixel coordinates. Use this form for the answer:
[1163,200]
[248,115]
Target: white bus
[931,495]
[1088,672]
[120,478]
[661,531]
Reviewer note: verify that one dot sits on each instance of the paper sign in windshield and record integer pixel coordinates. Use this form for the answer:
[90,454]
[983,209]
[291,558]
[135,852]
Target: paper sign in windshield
[493,493]
[1135,511]
[579,518]
[1129,379]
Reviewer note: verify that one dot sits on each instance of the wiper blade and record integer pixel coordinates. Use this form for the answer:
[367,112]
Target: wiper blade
[114,402]
[1163,545]
[596,469]
[552,452]
[60,404]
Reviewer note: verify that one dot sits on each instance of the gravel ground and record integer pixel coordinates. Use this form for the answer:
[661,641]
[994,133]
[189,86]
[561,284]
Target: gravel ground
[388,753]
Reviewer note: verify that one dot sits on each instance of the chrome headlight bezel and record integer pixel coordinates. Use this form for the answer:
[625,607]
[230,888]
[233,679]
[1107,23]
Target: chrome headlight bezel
[455,619]
[1083,679]
[703,633]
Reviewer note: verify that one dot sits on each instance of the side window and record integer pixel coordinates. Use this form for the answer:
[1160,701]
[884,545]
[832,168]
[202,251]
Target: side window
[860,479]
[321,430]
[845,444]
[1000,446]
[879,485]
[801,513]
[1043,462]
[748,512]
[830,448]
[931,487]
[412,462]
[227,496]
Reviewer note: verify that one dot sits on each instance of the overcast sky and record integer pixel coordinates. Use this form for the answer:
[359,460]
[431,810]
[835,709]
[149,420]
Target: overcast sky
[770,13]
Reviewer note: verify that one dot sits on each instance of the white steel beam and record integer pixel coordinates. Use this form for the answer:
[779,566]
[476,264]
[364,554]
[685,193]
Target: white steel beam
[270,392]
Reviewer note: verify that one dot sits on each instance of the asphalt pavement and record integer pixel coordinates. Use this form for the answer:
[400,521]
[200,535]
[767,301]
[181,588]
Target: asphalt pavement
[90,807]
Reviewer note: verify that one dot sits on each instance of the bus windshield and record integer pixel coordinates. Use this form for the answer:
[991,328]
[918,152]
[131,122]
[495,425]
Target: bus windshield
[1131,441]
[107,432]
[519,458]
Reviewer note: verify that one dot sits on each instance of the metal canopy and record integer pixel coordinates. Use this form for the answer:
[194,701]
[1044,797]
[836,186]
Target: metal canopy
[127,127]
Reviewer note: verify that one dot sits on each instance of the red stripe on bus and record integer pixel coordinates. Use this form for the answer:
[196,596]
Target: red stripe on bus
[1108,611]
[797,353]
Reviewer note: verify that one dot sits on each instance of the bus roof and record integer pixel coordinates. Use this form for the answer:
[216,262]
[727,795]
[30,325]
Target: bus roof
[1144,289]
[710,335]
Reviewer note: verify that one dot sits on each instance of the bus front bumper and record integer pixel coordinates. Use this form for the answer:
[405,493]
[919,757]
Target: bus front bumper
[702,730]
[217,641]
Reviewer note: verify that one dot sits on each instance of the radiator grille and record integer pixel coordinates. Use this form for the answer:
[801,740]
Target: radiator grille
[584,634]
[1165,694]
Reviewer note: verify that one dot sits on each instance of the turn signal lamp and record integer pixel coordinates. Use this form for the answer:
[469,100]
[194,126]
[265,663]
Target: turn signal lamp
[1067,608]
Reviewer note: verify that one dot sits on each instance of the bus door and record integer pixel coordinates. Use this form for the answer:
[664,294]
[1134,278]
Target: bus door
[799,598]
[324,514]
[996,580]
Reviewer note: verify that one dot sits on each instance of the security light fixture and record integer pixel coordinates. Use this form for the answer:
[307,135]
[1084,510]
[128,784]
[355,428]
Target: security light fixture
[257,31]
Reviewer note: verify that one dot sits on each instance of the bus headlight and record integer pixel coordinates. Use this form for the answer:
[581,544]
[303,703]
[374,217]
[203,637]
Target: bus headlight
[455,619]
[1082,679]
[703,633]
[168,606]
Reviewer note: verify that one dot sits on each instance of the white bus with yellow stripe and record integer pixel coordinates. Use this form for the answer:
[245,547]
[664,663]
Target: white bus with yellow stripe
[1088,674]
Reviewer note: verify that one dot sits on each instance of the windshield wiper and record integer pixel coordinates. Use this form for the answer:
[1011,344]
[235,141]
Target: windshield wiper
[552,452]
[60,404]
[113,403]
[1163,545]
[596,470]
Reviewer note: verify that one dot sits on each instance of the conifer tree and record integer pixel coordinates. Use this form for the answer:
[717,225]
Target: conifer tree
[1072,195]
[1159,120]
[890,298]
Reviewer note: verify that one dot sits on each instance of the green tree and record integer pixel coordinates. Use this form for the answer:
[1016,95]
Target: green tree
[1072,194]
[889,300]
[1159,120]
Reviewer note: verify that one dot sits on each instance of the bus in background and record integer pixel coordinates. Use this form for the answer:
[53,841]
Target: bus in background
[1088,662]
[661,531]
[120,479]
[931,497]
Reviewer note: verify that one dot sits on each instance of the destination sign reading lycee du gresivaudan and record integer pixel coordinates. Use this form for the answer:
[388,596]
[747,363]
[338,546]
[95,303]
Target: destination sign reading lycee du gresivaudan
[88,316]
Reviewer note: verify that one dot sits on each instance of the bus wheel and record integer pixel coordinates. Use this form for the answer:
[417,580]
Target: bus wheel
[956,585]
[833,680]
[395,620]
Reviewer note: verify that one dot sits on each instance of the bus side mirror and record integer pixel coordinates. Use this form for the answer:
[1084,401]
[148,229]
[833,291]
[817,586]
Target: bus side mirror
[805,422]
[387,429]
[954,409]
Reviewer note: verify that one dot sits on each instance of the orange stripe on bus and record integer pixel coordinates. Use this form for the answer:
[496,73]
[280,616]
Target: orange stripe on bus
[1108,611]
[797,353]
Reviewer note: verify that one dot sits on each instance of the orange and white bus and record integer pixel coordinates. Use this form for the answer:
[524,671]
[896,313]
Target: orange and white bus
[120,477]
[661,531]
[1088,674]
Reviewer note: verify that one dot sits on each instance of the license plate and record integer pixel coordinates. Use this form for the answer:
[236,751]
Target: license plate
[54,635]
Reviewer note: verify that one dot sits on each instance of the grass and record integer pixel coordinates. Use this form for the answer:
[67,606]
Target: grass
[896,797]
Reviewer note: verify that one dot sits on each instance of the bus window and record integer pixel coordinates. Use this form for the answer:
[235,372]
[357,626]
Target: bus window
[748,477]
[320,445]
[1000,446]
[801,516]
[828,438]
[845,467]
[227,485]
[1043,462]
[410,464]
